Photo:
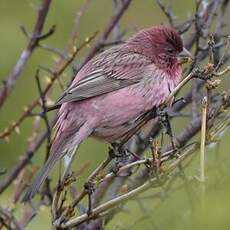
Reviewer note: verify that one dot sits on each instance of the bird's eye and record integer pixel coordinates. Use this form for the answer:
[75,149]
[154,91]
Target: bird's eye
[170,50]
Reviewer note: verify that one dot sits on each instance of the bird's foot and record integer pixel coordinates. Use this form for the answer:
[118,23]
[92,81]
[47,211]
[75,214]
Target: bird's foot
[136,157]
[116,151]
[115,169]
[164,120]
[89,187]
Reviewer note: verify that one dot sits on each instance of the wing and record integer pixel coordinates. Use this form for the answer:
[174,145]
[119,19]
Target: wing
[107,72]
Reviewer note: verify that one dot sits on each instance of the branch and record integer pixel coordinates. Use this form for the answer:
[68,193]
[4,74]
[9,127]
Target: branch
[37,143]
[36,36]
[122,198]
[108,29]
[28,109]
[168,12]
[9,218]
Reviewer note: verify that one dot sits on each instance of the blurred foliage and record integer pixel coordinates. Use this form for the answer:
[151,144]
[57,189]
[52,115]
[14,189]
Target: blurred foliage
[177,210]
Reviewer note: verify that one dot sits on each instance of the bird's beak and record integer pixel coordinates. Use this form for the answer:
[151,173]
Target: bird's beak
[184,57]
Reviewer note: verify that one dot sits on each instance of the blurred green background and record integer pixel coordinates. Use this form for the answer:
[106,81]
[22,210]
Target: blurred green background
[180,209]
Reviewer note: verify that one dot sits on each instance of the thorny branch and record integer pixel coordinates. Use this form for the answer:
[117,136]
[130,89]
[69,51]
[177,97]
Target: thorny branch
[132,173]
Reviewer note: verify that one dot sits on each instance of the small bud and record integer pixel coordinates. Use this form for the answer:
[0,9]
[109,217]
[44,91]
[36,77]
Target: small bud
[37,118]
[26,109]
[209,68]
[213,84]
[49,102]
[47,79]
[17,130]
[7,139]
[74,49]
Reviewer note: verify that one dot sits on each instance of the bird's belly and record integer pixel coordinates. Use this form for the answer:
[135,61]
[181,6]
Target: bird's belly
[113,133]
[120,111]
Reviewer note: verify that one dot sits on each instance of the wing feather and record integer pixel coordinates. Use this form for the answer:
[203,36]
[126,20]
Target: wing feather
[111,71]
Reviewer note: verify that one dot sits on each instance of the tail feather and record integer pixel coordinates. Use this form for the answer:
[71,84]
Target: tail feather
[59,148]
[42,175]
[64,143]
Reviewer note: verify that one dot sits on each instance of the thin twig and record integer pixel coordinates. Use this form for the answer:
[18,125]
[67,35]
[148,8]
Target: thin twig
[27,52]
[106,32]
[28,109]
[203,139]
[120,199]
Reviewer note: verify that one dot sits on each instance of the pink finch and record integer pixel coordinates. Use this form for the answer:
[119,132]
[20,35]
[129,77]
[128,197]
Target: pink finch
[113,90]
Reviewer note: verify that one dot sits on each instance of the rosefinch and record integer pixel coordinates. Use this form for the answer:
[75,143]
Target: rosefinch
[113,90]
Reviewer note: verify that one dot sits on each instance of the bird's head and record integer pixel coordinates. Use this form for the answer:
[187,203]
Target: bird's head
[162,44]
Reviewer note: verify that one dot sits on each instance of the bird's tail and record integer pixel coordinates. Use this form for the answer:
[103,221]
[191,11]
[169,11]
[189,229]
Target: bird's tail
[40,178]
[60,147]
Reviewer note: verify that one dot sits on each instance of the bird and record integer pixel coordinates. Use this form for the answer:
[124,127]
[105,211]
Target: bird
[113,90]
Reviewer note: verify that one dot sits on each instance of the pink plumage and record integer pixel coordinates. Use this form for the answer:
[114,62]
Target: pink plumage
[113,90]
